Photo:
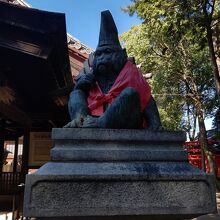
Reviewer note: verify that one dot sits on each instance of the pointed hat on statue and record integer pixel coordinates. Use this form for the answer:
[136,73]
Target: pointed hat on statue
[108,34]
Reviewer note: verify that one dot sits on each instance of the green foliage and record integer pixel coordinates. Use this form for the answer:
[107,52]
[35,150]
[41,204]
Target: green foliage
[171,44]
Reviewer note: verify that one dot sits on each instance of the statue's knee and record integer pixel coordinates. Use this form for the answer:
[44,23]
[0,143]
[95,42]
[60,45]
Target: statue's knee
[130,98]
[129,91]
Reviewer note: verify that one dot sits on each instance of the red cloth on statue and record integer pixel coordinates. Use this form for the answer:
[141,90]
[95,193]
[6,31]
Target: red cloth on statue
[130,76]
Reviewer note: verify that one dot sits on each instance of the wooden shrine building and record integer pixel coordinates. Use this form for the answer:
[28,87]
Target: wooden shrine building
[38,62]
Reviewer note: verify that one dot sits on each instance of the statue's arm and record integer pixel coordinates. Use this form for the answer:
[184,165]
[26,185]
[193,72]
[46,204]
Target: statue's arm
[78,107]
[152,116]
[77,104]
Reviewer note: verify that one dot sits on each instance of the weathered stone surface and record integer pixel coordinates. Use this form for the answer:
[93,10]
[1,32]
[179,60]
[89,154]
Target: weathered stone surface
[66,154]
[112,145]
[110,185]
[117,135]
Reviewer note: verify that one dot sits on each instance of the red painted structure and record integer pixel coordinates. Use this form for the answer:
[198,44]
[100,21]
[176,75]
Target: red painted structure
[195,157]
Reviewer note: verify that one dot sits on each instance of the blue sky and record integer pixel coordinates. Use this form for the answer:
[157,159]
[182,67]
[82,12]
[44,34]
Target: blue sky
[83,16]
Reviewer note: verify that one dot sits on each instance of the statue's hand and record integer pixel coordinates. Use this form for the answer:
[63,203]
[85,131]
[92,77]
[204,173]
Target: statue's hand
[85,81]
[75,123]
[91,122]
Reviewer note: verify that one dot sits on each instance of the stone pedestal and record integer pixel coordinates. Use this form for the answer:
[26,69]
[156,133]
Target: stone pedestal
[118,174]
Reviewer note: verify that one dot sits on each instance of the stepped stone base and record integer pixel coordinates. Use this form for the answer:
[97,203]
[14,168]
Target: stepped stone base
[118,174]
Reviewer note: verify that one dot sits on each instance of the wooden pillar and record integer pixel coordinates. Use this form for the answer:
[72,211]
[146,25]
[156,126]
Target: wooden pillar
[15,161]
[2,140]
[25,154]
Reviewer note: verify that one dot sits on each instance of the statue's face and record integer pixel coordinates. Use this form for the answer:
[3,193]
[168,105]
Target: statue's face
[109,60]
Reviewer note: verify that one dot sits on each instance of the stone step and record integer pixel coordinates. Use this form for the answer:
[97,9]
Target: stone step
[117,145]
[114,154]
[118,135]
[121,170]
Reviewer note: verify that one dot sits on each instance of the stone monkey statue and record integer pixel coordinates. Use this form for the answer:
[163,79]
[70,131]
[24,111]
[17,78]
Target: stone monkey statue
[112,93]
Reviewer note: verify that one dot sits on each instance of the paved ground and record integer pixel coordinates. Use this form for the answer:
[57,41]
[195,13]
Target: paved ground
[212,216]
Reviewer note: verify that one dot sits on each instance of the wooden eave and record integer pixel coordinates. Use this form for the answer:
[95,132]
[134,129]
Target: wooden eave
[75,52]
[34,61]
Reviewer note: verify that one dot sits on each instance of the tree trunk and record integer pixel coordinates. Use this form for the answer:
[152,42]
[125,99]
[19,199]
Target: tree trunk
[214,48]
[194,124]
[202,136]
[203,142]
[215,61]
[191,125]
[188,124]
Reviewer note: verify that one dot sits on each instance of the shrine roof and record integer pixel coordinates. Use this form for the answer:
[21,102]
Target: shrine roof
[37,56]
[34,66]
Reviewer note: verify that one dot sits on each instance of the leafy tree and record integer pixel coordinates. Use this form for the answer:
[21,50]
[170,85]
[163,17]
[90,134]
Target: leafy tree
[200,18]
[177,71]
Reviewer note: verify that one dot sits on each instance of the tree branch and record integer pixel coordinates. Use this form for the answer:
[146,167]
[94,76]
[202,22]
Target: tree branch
[160,55]
[215,22]
[213,8]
